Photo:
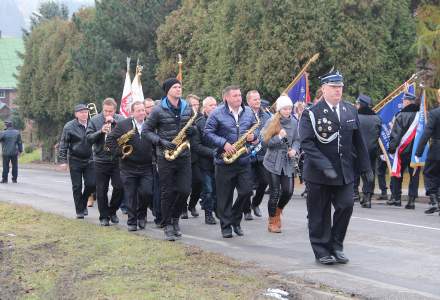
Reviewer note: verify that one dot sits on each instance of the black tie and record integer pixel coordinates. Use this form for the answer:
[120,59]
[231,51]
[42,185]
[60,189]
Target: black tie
[335,111]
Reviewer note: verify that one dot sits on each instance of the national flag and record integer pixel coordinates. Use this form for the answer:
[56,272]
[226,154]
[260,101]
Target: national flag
[126,93]
[300,90]
[136,86]
[387,114]
[419,133]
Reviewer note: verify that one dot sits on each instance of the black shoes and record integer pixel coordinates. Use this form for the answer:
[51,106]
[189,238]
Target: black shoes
[256,211]
[14,180]
[326,260]
[194,212]
[411,203]
[434,205]
[356,196]
[80,215]
[176,227]
[132,227]
[340,257]
[168,230]
[104,222]
[227,233]
[248,216]
[366,200]
[86,212]
[383,195]
[209,218]
[141,224]
[184,214]
[4,181]
[237,229]
[114,219]
[394,201]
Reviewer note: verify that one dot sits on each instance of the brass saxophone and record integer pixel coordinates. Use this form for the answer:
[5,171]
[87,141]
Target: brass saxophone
[122,142]
[180,140]
[240,145]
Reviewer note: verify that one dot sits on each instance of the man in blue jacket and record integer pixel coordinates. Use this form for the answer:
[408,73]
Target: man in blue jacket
[224,127]
[11,147]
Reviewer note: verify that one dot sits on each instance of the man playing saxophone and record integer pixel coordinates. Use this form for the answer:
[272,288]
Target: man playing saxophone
[228,126]
[135,163]
[168,122]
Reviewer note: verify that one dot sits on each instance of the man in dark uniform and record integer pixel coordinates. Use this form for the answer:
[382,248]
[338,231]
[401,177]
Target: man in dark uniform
[11,148]
[75,150]
[106,164]
[163,125]
[136,167]
[370,125]
[330,134]
[401,125]
[432,164]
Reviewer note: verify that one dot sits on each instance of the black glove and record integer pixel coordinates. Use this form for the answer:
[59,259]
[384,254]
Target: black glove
[167,145]
[368,176]
[189,131]
[330,173]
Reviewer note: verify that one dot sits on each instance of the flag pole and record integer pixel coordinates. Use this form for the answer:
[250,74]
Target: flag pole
[179,62]
[397,91]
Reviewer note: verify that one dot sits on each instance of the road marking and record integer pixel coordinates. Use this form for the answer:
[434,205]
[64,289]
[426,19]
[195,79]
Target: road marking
[398,223]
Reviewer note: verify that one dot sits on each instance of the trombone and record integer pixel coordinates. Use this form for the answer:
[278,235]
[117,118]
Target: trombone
[93,111]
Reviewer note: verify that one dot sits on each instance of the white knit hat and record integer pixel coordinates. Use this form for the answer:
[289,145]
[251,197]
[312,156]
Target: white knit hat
[283,101]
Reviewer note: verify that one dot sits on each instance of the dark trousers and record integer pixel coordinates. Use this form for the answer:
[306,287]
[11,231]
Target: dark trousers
[138,185]
[196,186]
[279,197]
[326,237]
[366,187]
[396,182]
[382,170]
[259,175]
[79,171]
[105,172]
[156,196]
[227,178]
[14,161]
[175,186]
[209,190]
[431,174]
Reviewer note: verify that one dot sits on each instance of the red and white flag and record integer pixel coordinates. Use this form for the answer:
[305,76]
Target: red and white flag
[126,93]
[136,85]
[406,140]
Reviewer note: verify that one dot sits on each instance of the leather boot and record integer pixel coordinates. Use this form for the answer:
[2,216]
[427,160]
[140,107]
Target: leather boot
[209,218]
[366,200]
[168,230]
[176,227]
[394,200]
[278,218]
[433,204]
[272,226]
[411,202]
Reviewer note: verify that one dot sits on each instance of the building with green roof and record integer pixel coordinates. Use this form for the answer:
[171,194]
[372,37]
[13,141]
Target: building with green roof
[9,61]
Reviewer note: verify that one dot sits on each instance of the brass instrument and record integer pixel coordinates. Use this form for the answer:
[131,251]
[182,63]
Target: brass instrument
[180,140]
[122,143]
[240,145]
[93,111]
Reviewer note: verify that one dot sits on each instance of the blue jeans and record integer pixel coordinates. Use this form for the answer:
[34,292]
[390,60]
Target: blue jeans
[209,196]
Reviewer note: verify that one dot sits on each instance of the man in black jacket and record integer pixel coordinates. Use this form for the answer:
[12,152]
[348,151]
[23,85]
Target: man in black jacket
[330,134]
[370,125]
[11,148]
[136,167]
[75,150]
[106,164]
[401,125]
[432,164]
[163,125]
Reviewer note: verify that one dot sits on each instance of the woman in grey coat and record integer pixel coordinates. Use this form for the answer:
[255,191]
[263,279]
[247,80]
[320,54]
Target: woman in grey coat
[280,134]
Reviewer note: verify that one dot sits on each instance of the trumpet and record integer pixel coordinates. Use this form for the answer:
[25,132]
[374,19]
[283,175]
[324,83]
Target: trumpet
[93,111]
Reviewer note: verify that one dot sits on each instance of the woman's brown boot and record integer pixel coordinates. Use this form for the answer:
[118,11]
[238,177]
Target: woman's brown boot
[272,227]
[278,218]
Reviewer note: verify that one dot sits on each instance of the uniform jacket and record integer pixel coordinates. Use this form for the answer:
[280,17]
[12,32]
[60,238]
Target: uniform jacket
[337,154]
[11,142]
[401,125]
[141,157]
[73,143]
[276,158]
[221,128]
[432,131]
[163,123]
[370,125]
[202,147]
[97,138]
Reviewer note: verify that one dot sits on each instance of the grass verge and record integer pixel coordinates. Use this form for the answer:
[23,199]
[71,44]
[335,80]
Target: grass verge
[26,158]
[44,256]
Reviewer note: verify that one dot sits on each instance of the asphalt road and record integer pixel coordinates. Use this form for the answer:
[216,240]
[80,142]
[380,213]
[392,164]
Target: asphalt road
[394,253]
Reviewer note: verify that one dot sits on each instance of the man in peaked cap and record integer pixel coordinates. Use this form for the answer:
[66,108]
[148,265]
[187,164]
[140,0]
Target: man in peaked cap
[330,134]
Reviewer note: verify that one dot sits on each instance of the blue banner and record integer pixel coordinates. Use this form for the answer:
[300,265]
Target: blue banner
[298,92]
[419,133]
[387,114]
